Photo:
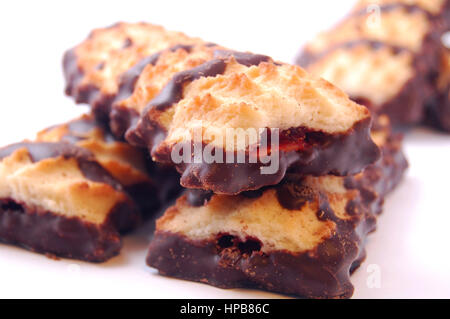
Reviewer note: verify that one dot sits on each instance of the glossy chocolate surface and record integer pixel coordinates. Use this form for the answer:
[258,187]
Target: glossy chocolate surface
[228,262]
[49,233]
[340,154]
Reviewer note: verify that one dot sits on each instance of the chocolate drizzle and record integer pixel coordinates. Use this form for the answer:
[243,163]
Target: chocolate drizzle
[146,193]
[43,150]
[173,91]
[244,58]
[128,80]
[308,58]
[39,151]
[410,8]
[82,128]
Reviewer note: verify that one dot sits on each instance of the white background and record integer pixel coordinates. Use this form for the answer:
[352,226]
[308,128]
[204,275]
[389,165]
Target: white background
[410,247]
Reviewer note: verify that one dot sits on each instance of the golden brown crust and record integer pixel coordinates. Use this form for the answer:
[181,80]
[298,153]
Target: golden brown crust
[92,69]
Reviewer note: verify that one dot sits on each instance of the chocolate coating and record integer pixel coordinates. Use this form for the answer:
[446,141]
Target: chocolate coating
[39,151]
[198,197]
[381,178]
[340,154]
[244,58]
[307,58]
[49,233]
[227,262]
[173,91]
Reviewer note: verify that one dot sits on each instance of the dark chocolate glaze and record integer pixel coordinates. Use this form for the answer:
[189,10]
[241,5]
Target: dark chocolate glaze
[198,197]
[244,58]
[410,8]
[340,154]
[381,178]
[53,234]
[121,119]
[128,80]
[43,150]
[308,58]
[148,195]
[81,128]
[294,195]
[144,133]
[227,262]
[231,178]
[72,73]
[438,111]
[85,93]
[438,105]
[173,91]
[127,43]
[39,151]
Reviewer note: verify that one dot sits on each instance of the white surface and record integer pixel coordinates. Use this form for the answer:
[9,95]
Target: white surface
[409,251]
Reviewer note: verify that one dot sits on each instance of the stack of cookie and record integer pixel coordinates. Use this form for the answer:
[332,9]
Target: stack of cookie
[282,171]
[387,54]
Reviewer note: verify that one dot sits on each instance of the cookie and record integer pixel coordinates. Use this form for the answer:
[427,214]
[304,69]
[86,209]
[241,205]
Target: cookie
[93,68]
[151,185]
[81,188]
[55,198]
[319,127]
[390,49]
[302,237]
